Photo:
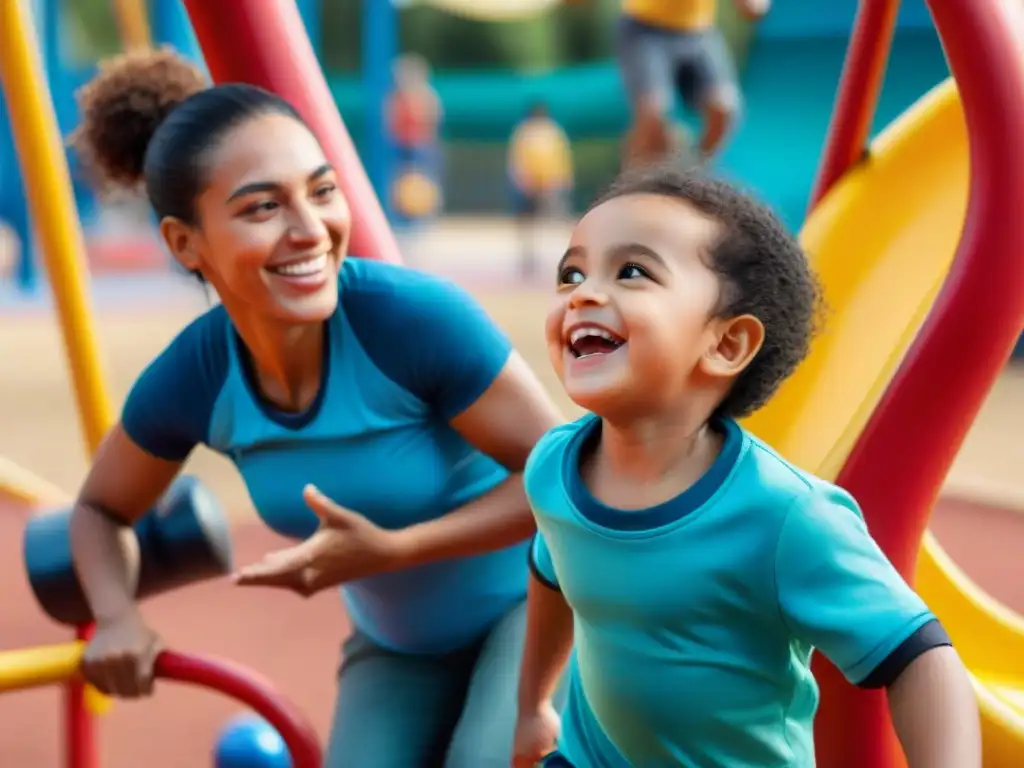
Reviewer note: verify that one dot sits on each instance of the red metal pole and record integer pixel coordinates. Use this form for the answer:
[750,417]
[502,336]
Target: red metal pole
[897,467]
[80,747]
[857,96]
[264,42]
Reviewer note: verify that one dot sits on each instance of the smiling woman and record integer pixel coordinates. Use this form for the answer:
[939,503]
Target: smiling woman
[308,378]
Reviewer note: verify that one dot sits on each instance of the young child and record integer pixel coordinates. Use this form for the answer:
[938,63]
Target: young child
[540,169]
[693,566]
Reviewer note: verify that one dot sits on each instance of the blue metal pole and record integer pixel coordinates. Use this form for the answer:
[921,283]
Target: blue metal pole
[380,47]
[170,25]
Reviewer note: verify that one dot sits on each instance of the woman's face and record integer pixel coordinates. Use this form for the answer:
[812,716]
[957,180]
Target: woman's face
[273,226]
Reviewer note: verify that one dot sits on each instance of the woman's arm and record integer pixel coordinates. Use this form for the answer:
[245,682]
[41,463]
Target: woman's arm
[505,422]
[122,485]
[935,712]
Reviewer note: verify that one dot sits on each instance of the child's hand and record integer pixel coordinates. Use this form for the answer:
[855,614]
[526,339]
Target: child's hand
[536,736]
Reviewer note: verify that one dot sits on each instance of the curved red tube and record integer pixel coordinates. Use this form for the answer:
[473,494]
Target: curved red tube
[897,468]
[249,689]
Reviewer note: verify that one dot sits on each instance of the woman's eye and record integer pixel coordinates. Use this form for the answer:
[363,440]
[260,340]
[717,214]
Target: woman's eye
[570,276]
[324,191]
[632,271]
[265,207]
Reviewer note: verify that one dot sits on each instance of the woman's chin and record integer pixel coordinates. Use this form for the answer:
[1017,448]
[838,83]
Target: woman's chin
[311,308]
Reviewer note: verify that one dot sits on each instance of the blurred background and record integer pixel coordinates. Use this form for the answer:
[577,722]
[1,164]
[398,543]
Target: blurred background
[437,99]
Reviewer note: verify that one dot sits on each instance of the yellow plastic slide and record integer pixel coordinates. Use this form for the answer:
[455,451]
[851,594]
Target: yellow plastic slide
[882,242]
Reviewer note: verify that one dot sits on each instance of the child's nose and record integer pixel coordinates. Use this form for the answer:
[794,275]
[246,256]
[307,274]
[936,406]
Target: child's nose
[589,292]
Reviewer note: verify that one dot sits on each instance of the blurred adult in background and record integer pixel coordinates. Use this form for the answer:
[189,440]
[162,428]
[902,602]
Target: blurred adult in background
[674,46]
[540,170]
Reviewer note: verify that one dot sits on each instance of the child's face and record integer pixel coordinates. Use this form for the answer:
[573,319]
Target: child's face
[633,327]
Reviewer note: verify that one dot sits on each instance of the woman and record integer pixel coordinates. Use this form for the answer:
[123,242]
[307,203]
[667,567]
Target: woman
[383,398]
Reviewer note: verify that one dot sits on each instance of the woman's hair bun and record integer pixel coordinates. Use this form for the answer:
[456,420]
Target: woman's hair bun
[124,104]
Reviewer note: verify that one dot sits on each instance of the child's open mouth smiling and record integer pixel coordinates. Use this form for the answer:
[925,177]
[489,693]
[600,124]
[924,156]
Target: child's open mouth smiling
[589,341]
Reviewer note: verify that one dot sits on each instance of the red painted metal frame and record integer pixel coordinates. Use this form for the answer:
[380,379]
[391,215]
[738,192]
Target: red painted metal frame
[897,468]
[258,694]
[857,96]
[80,747]
[264,42]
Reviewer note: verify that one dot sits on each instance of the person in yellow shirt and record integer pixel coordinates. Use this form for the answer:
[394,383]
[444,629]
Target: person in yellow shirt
[540,169]
[665,46]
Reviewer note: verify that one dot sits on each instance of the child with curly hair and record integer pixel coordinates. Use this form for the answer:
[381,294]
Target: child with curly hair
[695,567]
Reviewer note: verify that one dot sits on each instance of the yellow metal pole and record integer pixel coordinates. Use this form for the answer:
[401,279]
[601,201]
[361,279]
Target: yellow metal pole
[42,665]
[51,201]
[134,23]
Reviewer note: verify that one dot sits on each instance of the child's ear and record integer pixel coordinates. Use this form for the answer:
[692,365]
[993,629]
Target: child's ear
[736,342]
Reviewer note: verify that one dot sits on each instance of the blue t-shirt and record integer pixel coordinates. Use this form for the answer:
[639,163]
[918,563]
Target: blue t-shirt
[405,353]
[695,619]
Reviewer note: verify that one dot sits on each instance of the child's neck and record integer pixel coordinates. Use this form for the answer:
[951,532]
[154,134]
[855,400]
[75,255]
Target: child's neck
[640,463]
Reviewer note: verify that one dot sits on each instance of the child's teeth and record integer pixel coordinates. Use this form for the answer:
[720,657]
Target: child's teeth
[580,333]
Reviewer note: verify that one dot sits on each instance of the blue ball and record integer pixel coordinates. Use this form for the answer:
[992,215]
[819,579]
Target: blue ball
[248,741]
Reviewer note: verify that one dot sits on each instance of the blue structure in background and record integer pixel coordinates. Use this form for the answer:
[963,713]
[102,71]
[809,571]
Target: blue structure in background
[380,48]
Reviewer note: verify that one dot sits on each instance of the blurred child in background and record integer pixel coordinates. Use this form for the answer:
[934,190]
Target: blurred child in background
[541,172]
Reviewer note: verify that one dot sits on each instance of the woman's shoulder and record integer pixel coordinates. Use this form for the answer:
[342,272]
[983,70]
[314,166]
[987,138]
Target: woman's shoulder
[168,409]
[387,296]
[423,332]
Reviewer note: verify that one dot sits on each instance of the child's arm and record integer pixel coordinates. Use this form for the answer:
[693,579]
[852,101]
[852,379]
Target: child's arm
[547,647]
[839,593]
[549,634]
[935,712]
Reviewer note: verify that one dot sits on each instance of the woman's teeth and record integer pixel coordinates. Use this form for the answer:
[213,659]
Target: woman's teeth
[302,268]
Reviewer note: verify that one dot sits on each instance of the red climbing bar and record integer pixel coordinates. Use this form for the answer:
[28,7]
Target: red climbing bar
[859,87]
[258,694]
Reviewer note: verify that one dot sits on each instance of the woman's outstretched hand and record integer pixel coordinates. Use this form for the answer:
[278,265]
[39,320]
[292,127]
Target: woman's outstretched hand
[346,547]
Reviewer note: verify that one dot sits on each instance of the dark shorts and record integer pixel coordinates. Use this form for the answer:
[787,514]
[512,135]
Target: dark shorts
[657,63]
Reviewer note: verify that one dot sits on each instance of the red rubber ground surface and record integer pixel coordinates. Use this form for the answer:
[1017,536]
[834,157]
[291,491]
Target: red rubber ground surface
[296,642]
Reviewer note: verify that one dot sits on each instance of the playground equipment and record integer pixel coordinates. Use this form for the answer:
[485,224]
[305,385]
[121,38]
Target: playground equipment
[183,540]
[917,242]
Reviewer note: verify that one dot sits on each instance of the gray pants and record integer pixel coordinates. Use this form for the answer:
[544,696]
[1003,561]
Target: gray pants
[657,63]
[456,710]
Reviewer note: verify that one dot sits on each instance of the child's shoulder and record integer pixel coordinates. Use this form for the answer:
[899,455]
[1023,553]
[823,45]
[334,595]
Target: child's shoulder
[777,483]
[548,454]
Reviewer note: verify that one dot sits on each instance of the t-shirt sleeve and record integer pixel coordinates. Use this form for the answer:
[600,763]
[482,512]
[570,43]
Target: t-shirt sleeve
[168,409]
[427,335]
[540,562]
[839,592]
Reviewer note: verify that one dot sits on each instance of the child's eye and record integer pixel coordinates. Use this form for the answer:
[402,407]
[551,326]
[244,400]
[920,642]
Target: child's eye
[632,271]
[571,276]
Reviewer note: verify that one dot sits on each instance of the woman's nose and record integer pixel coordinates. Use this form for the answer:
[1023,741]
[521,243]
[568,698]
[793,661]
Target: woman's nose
[307,226]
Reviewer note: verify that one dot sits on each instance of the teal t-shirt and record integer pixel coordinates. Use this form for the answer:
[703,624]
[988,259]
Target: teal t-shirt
[695,620]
